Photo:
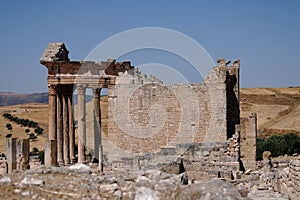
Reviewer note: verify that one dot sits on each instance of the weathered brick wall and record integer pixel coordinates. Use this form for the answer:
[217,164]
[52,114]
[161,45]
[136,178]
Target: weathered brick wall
[145,115]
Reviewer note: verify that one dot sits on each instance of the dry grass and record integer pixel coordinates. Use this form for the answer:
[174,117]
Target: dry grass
[34,112]
[278,109]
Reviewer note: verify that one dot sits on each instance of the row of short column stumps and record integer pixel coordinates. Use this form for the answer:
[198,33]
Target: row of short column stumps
[17,156]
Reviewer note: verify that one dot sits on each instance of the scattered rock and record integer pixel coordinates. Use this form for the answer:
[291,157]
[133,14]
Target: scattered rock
[142,178]
[213,189]
[17,190]
[118,193]
[81,168]
[32,181]
[144,193]
[153,174]
[5,180]
[110,187]
[205,153]
[25,193]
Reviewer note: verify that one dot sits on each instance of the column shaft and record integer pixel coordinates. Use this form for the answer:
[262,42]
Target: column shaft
[51,153]
[59,127]
[52,112]
[71,126]
[97,122]
[66,154]
[81,123]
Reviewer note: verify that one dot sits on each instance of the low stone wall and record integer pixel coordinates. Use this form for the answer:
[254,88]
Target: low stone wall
[289,179]
[215,160]
[200,161]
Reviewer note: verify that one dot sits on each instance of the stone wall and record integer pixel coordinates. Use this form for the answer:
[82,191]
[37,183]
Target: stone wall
[214,160]
[200,161]
[233,97]
[144,114]
[289,179]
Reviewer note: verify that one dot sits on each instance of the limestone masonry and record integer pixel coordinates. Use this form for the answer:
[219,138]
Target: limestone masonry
[144,115]
[190,129]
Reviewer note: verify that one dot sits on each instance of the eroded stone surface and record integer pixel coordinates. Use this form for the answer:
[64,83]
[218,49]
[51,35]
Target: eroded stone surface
[66,183]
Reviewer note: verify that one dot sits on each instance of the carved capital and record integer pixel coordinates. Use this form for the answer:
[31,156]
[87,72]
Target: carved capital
[96,93]
[52,90]
[236,63]
[81,89]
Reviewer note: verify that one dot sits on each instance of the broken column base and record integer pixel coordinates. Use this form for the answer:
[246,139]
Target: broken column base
[11,151]
[50,153]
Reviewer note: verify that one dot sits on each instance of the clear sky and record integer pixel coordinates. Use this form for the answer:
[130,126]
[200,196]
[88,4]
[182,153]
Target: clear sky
[264,35]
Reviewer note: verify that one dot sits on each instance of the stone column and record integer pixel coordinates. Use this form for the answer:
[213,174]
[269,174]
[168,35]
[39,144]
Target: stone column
[71,126]
[248,135]
[50,153]
[11,151]
[81,123]
[96,122]
[66,154]
[23,149]
[52,112]
[59,127]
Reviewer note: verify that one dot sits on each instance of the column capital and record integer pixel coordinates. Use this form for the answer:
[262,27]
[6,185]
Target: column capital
[96,92]
[52,90]
[81,88]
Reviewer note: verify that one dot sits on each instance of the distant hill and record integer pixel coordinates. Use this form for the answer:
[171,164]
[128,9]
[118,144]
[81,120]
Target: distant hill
[9,98]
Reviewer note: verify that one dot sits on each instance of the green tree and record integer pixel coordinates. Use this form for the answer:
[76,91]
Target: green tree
[9,127]
[42,156]
[39,131]
[260,146]
[35,150]
[32,136]
[278,145]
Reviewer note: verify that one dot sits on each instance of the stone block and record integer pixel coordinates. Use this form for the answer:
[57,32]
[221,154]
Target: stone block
[167,150]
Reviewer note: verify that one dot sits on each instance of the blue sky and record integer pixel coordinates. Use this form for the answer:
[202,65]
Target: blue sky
[264,35]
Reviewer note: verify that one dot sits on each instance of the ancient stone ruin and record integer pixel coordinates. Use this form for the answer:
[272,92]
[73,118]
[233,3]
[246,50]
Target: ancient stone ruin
[145,116]
[179,141]
[17,155]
